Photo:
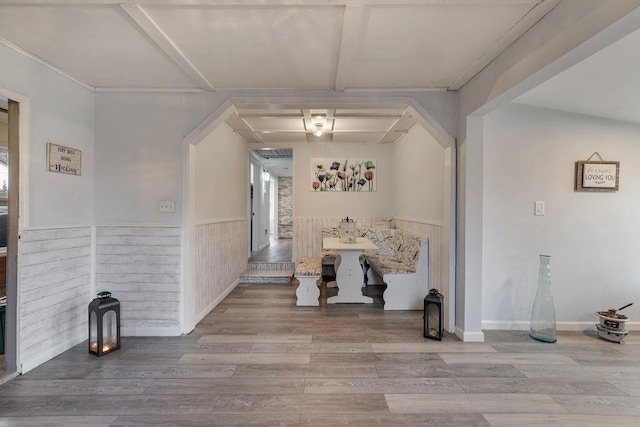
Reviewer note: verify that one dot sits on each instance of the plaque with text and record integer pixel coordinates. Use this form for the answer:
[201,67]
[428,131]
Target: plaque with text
[597,175]
[64,159]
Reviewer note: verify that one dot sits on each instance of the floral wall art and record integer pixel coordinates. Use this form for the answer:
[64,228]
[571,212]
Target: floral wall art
[343,175]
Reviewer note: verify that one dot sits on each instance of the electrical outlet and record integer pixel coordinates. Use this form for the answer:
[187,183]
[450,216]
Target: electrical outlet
[166,206]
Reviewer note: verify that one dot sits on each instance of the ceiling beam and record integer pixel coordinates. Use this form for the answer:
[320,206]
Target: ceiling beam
[536,13]
[352,24]
[250,130]
[155,33]
[331,122]
[47,64]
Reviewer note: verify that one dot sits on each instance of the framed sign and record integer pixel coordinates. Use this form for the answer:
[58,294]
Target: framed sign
[343,175]
[597,175]
[64,159]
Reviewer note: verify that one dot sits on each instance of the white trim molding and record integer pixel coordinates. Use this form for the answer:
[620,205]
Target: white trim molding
[469,336]
[215,302]
[49,353]
[524,325]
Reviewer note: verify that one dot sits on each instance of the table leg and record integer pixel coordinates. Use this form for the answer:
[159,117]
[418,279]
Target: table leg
[349,278]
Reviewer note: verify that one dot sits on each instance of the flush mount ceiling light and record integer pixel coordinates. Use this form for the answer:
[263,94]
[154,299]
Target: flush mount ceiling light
[318,124]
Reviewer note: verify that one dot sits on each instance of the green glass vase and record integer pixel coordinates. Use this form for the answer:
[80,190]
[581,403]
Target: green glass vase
[543,314]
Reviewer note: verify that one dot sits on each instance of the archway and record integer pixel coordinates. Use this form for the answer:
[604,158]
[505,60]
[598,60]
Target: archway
[418,107]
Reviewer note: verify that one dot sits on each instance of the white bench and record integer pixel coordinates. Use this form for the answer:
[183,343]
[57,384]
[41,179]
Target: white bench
[308,273]
[402,263]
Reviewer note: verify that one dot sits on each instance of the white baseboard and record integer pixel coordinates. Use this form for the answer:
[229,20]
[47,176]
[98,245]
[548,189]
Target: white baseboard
[505,325]
[585,326]
[48,353]
[469,336]
[216,301]
[8,377]
[523,325]
[149,331]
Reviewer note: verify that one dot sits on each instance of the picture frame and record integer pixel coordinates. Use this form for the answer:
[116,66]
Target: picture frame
[344,175]
[597,175]
[64,160]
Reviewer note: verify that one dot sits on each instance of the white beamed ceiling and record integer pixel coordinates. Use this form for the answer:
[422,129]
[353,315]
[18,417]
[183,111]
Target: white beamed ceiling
[366,125]
[96,44]
[243,44]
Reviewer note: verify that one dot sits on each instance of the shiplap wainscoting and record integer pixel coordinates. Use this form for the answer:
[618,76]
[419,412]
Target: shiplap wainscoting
[55,289]
[222,250]
[435,234]
[141,267]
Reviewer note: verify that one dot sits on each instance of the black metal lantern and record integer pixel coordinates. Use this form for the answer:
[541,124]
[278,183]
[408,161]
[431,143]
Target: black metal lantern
[104,324]
[433,315]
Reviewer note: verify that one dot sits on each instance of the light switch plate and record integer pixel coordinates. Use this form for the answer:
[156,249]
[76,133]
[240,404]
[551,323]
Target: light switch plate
[538,208]
[166,206]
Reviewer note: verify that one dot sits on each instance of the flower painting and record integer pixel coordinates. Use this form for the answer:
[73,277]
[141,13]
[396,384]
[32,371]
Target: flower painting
[343,175]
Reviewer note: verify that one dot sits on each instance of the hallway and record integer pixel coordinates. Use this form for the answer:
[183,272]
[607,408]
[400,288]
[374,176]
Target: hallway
[279,250]
[259,360]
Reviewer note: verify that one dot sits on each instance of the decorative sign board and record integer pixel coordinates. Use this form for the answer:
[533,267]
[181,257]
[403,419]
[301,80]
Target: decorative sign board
[343,175]
[597,175]
[64,159]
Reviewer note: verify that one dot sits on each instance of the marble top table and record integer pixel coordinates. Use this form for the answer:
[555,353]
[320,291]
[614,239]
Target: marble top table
[349,275]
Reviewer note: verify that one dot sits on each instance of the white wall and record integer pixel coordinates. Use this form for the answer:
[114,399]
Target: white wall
[221,244]
[570,32]
[419,197]
[593,238]
[309,203]
[53,259]
[419,178]
[61,112]
[222,178]
[138,157]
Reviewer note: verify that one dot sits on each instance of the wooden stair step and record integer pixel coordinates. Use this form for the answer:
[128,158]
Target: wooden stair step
[267,276]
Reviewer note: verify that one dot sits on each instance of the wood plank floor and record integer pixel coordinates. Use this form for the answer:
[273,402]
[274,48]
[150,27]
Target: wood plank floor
[258,360]
[279,250]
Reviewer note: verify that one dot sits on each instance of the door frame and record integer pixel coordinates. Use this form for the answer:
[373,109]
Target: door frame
[19,105]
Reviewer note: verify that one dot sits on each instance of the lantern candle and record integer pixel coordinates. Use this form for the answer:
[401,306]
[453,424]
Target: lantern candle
[433,315]
[104,324]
